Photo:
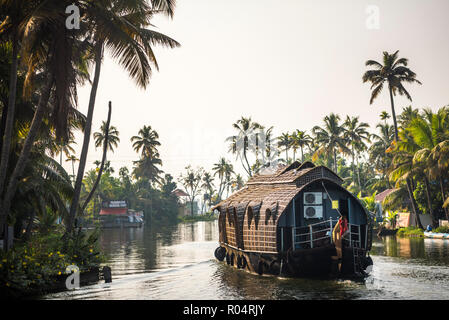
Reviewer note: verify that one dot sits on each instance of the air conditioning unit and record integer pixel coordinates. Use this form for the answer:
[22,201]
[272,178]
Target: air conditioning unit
[313,198]
[313,212]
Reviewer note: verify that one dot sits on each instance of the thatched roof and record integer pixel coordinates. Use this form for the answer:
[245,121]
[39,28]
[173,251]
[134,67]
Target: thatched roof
[279,187]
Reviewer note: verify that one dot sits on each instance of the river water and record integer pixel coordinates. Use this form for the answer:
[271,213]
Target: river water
[177,262]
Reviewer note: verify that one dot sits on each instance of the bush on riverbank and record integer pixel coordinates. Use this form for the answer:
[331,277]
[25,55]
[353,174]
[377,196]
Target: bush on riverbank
[35,265]
[441,229]
[202,217]
[410,232]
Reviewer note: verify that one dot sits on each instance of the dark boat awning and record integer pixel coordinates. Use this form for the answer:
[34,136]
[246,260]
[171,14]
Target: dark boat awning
[113,211]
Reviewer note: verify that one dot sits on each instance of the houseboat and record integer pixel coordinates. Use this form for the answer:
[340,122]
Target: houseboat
[295,221]
[115,214]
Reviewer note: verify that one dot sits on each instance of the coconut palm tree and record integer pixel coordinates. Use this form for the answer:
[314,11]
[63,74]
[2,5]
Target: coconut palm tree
[404,170]
[285,141]
[65,147]
[330,139]
[113,137]
[147,167]
[240,143]
[394,73]
[121,27]
[356,134]
[191,182]
[146,141]
[384,116]
[222,168]
[378,156]
[72,158]
[208,185]
[300,139]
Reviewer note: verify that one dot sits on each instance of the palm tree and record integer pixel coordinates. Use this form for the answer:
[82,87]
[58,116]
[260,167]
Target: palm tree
[378,156]
[300,139]
[237,183]
[356,134]
[121,27]
[223,168]
[66,148]
[48,51]
[330,138]
[404,169]
[147,141]
[384,116]
[113,138]
[208,185]
[72,158]
[240,143]
[284,140]
[394,72]
[191,182]
[147,167]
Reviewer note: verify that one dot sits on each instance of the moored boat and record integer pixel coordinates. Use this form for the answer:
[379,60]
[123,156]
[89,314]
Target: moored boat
[295,221]
[115,214]
[436,235]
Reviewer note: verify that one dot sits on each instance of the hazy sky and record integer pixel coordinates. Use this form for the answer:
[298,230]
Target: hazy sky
[284,63]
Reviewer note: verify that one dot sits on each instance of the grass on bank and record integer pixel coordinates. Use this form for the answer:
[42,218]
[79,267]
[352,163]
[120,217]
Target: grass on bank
[201,217]
[410,232]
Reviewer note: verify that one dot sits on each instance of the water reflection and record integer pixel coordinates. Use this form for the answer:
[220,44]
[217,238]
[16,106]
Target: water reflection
[177,262]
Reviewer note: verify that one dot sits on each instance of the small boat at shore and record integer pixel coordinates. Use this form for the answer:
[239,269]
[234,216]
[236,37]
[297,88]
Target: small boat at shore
[295,221]
[436,235]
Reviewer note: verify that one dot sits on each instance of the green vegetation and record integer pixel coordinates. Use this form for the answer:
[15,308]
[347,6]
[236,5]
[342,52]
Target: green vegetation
[199,217]
[441,229]
[410,232]
[42,66]
[34,266]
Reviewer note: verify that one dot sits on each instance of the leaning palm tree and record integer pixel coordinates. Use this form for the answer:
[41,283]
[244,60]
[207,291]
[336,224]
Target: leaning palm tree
[393,72]
[121,27]
[330,139]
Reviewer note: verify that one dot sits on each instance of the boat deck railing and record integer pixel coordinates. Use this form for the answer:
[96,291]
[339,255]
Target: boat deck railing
[320,234]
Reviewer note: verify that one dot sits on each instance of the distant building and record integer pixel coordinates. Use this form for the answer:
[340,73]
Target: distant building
[379,199]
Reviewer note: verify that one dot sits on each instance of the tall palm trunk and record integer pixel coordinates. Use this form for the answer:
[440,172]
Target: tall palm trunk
[103,160]
[244,155]
[302,155]
[25,153]
[9,126]
[413,202]
[335,161]
[87,131]
[429,202]
[443,195]
[393,114]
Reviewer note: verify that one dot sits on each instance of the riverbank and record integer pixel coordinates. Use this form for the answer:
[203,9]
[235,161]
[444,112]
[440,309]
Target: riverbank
[202,217]
[41,264]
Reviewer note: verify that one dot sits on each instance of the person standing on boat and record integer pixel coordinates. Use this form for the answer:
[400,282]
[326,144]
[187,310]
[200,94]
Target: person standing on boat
[340,230]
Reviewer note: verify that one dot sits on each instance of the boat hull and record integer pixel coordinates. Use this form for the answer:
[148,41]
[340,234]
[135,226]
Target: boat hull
[321,262]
